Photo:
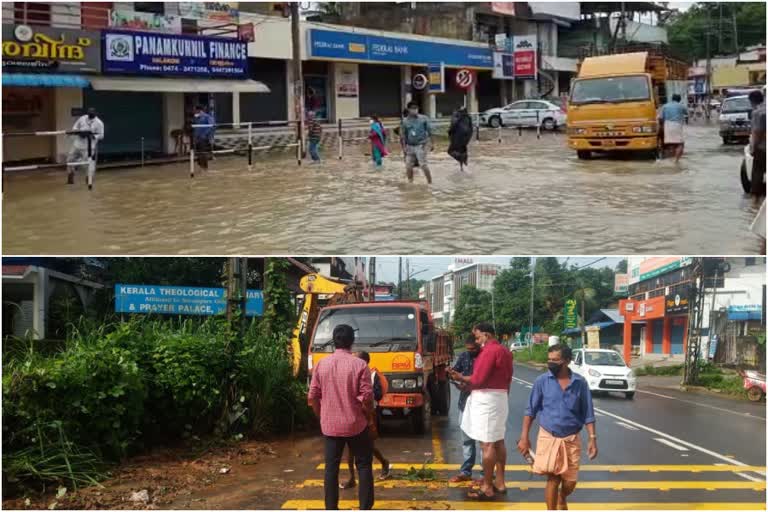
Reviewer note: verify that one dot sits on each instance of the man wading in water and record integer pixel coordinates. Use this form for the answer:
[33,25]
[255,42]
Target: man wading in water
[415,133]
[460,133]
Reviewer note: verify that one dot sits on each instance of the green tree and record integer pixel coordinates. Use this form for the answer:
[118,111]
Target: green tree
[472,306]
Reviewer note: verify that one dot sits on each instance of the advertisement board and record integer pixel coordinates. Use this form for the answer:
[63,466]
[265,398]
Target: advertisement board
[621,284]
[180,300]
[651,267]
[569,314]
[505,8]
[56,50]
[347,85]
[593,336]
[224,12]
[436,72]
[567,10]
[330,44]
[678,302]
[503,66]
[143,53]
[129,20]
[525,48]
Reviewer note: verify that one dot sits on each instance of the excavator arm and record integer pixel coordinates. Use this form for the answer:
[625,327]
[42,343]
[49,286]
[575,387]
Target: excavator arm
[314,285]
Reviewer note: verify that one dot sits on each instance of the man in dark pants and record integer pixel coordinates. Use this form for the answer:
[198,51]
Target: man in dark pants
[203,136]
[757,143]
[465,365]
[341,395]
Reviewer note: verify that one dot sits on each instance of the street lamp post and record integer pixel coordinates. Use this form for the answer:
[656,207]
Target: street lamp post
[530,319]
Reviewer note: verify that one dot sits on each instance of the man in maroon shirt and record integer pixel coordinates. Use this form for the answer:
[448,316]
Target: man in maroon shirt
[341,395]
[485,416]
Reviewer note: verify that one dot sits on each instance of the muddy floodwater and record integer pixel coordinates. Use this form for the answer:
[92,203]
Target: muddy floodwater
[524,196]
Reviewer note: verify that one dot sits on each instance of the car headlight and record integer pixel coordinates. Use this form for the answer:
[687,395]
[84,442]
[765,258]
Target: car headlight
[397,383]
[594,373]
[410,383]
[631,375]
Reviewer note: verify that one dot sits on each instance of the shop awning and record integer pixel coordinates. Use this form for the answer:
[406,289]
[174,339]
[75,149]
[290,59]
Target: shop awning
[44,80]
[176,85]
[599,325]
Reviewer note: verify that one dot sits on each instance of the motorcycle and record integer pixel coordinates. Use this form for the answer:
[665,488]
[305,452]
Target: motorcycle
[754,383]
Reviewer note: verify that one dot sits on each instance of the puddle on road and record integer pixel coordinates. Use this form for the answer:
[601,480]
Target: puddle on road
[524,196]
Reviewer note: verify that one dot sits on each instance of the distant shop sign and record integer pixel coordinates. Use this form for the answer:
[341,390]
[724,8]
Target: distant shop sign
[128,20]
[145,53]
[224,12]
[436,72]
[330,44]
[420,81]
[180,300]
[525,48]
[621,284]
[738,312]
[678,302]
[56,50]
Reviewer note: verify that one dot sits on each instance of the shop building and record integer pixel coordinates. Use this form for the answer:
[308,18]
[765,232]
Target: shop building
[441,292]
[661,298]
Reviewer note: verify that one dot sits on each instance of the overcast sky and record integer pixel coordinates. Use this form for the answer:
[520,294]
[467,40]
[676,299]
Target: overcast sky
[427,267]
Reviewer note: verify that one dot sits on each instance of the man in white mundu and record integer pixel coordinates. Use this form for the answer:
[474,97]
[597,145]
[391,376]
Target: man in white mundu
[485,415]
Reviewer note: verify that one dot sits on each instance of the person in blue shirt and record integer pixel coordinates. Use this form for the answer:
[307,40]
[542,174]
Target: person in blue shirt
[562,402]
[203,135]
[464,365]
[673,118]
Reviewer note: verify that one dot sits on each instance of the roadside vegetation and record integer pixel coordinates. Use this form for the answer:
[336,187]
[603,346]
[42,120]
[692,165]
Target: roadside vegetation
[711,377]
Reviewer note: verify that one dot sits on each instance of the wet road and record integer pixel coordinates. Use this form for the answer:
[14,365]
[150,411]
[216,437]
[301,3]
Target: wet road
[525,196]
[663,450]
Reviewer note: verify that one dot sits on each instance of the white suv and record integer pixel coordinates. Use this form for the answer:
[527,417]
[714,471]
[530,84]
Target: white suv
[604,370]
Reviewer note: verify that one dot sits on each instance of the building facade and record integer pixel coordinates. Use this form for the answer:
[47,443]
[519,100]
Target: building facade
[441,292]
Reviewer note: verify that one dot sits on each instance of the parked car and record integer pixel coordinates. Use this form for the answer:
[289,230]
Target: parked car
[518,345]
[604,370]
[734,119]
[528,113]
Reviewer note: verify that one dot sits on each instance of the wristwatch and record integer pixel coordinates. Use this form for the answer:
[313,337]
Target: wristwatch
[593,437]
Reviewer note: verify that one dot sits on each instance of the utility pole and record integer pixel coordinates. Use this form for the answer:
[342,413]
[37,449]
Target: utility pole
[493,314]
[720,28]
[298,79]
[735,29]
[237,284]
[709,70]
[372,277]
[408,276]
[400,278]
[530,319]
[583,327]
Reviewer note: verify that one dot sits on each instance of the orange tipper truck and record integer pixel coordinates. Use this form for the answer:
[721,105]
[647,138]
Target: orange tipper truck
[614,102]
[404,345]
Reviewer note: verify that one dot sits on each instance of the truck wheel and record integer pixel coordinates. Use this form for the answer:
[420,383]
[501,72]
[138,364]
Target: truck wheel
[494,122]
[584,155]
[630,395]
[421,418]
[746,184]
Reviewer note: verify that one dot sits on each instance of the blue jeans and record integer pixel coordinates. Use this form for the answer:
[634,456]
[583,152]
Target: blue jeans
[468,451]
[314,150]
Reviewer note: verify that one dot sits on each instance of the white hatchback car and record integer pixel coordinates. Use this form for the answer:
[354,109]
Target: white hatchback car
[527,113]
[604,370]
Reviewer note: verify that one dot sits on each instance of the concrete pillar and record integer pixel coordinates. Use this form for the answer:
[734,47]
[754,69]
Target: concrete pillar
[503,94]
[431,105]
[289,92]
[649,337]
[627,330]
[40,303]
[173,118]
[666,339]
[236,107]
[472,103]
[406,95]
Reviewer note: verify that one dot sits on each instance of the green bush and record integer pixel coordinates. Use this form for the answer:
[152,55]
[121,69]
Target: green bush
[537,355]
[673,370]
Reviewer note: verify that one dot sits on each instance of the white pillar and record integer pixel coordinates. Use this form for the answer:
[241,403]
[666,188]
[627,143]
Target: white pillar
[236,107]
[406,78]
[473,104]
[289,91]
[40,303]
[431,107]
[173,118]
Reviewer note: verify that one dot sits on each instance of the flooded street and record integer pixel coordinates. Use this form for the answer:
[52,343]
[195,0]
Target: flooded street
[525,196]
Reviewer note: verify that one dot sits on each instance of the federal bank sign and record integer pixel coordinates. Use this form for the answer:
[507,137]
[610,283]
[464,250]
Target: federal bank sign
[330,44]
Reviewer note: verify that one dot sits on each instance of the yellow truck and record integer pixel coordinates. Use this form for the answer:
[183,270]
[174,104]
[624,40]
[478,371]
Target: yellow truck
[614,101]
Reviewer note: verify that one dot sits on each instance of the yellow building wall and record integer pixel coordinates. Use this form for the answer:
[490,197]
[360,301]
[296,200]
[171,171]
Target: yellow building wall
[730,76]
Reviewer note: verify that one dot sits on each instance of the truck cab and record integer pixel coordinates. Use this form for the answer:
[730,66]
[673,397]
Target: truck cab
[613,103]
[403,345]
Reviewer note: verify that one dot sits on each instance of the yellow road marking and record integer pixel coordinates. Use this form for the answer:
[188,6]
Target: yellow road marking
[508,505]
[437,447]
[662,485]
[683,468]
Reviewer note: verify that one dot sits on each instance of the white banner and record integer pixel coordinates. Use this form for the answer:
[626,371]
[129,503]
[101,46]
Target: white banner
[503,66]
[567,10]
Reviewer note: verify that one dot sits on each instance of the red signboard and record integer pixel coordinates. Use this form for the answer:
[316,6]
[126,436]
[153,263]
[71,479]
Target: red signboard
[525,56]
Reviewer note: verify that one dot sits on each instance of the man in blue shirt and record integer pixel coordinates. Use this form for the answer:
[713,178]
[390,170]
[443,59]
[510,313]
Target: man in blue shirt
[203,135]
[415,134]
[673,118]
[563,404]
[464,365]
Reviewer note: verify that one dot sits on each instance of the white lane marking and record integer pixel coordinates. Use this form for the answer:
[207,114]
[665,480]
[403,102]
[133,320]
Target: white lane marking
[628,427]
[737,413]
[743,475]
[716,455]
[670,443]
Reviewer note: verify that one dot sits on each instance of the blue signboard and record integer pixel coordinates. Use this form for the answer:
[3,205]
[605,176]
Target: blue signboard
[330,44]
[151,53]
[180,300]
[436,74]
[745,312]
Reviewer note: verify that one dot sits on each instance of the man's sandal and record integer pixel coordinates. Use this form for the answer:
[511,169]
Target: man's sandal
[479,495]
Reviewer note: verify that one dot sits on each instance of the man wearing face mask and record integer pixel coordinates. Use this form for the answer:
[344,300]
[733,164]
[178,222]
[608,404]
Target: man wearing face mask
[487,408]
[79,152]
[464,365]
[563,404]
[415,134]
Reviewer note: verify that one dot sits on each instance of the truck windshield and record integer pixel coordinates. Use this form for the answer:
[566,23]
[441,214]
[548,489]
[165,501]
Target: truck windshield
[610,90]
[380,328]
[740,104]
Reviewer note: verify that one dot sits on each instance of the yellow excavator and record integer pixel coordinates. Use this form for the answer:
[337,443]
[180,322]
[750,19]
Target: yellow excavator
[319,289]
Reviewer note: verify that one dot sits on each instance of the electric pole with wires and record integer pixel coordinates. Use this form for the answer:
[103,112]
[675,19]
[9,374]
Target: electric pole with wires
[298,79]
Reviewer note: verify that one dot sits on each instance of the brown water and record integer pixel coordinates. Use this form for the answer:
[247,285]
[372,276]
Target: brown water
[525,196]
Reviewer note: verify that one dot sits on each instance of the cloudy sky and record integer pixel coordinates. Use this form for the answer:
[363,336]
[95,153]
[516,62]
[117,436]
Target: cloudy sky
[427,267]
